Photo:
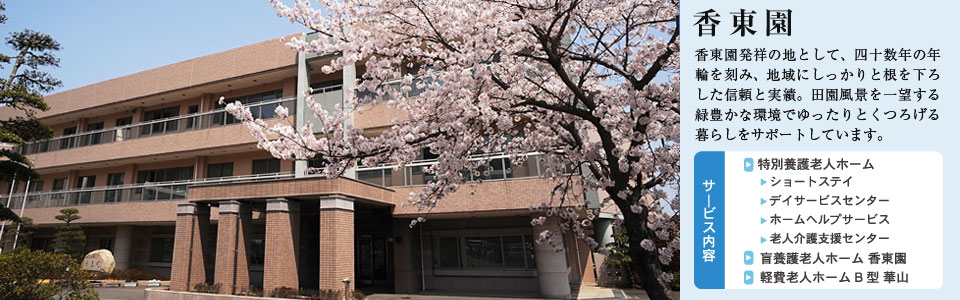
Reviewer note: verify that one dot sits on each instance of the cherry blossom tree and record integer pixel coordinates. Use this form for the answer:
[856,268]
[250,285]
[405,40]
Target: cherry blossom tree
[589,85]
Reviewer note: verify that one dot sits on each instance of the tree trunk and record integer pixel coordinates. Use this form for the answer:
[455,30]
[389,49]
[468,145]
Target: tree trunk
[13,70]
[645,262]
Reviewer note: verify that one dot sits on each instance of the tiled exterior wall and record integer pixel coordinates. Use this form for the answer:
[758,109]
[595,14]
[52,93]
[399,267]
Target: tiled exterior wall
[281,245]
[336,242]
[231,270]
[516,194]
[148,212]
[311,186]
[190,250]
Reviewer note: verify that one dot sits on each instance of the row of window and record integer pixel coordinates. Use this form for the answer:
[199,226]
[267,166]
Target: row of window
[496,169]
[485,252]
[260,166]
[171,126]
[262,111]
[161,249]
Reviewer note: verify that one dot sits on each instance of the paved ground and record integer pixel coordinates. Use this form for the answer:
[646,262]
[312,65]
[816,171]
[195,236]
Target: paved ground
[586,292]
[129,293]
[437,297]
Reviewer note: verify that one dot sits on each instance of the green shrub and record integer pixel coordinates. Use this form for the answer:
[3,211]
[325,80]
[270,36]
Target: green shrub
[69,238]
[204,287]
[28,274]
[254,291]
[358,295]
[285,292]
[325,294]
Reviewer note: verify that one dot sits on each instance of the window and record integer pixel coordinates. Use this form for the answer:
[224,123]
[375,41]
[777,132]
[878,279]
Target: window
[106,243]
[268,111]
[160,127]
[220,170]
[261,111]
[266,166]
[42,244]
[327,86]
[169,174]
[68,142]
[482,252]
[486,252]
[114,179]
[95,138]
[448,252]
[315,165]
[42,146]
[371,176]
[124,133]
[58,185]
[161,250]
[124,121]
[513,248]
[84,182]
[192,110]
[35,186]
[381,177]
[256,252]
[165,192]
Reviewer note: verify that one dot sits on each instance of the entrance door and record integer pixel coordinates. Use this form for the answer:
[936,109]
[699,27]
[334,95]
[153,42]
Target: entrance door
[372,261]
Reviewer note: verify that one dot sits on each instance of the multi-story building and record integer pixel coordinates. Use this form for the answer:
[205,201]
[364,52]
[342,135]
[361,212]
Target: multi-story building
[173,185]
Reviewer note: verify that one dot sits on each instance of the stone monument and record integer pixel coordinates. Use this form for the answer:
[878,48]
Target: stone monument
[99,261]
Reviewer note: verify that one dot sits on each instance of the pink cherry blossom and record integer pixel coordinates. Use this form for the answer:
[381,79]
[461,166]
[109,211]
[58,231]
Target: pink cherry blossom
[589,85]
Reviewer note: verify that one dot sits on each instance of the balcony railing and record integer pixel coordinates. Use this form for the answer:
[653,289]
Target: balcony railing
[197,121]
[500,167]
[159,191]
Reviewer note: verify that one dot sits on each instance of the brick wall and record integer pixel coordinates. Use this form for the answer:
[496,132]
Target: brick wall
[281,245]
[336,248]
[190,246]
[232,272]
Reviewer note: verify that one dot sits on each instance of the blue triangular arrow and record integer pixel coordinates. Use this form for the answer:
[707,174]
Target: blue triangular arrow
[763,240]
[762,220]
[762,182]
[763,201]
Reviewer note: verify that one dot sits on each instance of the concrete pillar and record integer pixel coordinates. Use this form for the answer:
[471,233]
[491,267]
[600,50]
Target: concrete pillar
[552,270]
[81,125]
[123,246]
[603,229]
[281,245]
[137,115]
[130,175]
[303,87]
[349,90]
[233,236]
[336,242]
[190,246]
[207,102]
[200,167]
[72,177]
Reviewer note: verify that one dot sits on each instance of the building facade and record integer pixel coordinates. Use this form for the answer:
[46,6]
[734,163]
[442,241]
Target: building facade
[173,185]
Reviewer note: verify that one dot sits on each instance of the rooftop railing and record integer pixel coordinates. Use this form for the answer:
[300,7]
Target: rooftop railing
[190,122]
[150,191]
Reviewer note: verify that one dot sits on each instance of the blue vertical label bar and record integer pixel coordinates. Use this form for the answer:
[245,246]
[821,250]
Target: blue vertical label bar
[708,254]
